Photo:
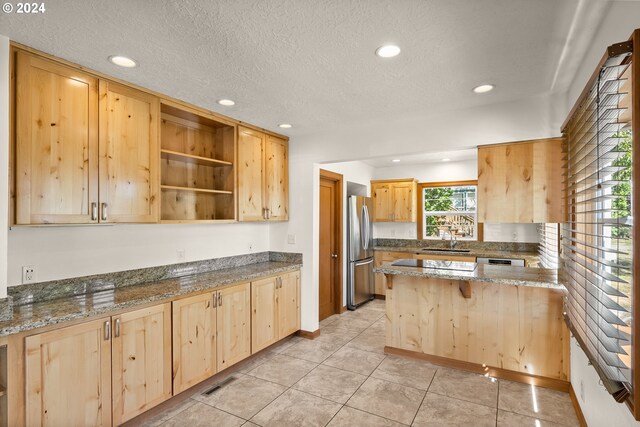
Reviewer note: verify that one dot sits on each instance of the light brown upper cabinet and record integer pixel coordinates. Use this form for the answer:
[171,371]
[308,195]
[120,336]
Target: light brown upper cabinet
[394,200]
[275,309]
[263,176]
[86,151]
[521,182]
[128,154]
[197,171]
[56,143]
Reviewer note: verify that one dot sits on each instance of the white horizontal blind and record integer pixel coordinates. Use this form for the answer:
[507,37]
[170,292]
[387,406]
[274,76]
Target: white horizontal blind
[548,248]
[597,247]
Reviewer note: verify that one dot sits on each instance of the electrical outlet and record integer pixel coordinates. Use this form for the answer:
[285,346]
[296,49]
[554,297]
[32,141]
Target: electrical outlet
[582,391]
[180,253]
[291,239]
[514,237]
[28,274]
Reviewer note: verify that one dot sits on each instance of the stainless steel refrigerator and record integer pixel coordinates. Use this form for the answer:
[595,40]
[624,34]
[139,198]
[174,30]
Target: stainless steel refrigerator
[360,280]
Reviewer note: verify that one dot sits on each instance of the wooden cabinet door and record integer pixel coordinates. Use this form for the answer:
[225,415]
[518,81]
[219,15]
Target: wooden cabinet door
[288,296]
[264,313]
[129,162]
[276,179]
[141,356]
[194,341]
[251,145]
[68,376]
[403,202]
[56,143]
[234,325]
[381,194]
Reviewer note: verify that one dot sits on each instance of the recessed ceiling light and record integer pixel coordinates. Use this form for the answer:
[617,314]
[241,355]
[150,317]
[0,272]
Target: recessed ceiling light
[284,125]
[388,51]
[446,159]
[226,102]
[395,160]
[122,61]
[483,88]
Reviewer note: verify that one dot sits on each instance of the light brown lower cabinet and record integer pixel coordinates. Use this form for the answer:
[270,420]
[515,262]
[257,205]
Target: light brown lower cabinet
[141,361]
[70,371]
[275,309]
[194,340]
[210,333]
[68,376]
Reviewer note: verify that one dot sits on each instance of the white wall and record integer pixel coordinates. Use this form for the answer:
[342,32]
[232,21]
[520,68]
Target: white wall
[4,161]
[63,252]
[597,405]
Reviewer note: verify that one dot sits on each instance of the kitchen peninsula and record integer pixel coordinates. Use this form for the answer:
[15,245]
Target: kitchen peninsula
[505,322]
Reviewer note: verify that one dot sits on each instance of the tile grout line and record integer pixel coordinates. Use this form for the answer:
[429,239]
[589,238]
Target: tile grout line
[423,397]
[498,403]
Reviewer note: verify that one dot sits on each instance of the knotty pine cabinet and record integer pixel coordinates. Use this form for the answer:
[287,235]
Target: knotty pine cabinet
[521,182]
[86,149]
[394,200]
[68,376]
[275,309]
[211,332]
[141,361]
[263,176]
[82,374]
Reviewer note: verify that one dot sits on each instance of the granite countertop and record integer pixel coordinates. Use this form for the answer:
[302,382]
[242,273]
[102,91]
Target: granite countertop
[519,276]
[44,313]
[531,258]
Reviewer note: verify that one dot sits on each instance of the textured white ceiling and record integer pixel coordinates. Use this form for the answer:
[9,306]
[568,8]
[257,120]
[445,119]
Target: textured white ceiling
[311,62]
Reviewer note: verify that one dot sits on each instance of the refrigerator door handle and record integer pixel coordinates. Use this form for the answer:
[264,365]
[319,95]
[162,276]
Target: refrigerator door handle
[365,262]
[364,228]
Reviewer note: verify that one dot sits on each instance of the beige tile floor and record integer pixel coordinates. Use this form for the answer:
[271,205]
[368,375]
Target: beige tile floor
[343,378]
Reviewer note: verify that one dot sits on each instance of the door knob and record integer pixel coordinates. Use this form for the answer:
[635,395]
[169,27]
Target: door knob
[334,255]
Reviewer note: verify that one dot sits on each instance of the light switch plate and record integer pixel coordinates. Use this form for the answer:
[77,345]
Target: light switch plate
[291,239]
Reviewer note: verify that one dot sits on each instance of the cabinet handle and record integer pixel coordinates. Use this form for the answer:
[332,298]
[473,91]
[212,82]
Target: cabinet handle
[268,213]
[94,211]
[219,299]
[117,328]
[104,211]
[107,330]
[264,213]
[215,300]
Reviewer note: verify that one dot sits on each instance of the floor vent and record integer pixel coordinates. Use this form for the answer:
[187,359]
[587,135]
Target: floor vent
[221,384]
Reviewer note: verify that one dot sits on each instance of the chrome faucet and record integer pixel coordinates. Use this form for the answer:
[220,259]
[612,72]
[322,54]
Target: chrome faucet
[453,241]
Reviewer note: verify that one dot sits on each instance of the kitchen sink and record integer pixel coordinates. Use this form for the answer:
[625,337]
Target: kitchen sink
[445,250]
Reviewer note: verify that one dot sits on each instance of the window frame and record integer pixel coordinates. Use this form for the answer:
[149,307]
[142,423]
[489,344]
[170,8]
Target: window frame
[422,185]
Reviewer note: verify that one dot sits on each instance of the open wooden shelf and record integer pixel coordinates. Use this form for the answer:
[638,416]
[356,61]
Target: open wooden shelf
[189,158]
[198,190]
[198,157]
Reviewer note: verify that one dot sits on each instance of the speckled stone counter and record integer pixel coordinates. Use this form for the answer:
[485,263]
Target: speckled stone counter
[519,276]
[28,316]
[531,258]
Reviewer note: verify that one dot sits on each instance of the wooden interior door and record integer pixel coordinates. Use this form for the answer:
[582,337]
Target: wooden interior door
[129,162]
[194,341]
[402,199]
[277,179]
[141,356]
[251,145]
[234,325]
[381,194]
[328,248]
[264,313]
[56,143]
[68,376]
[289,304]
